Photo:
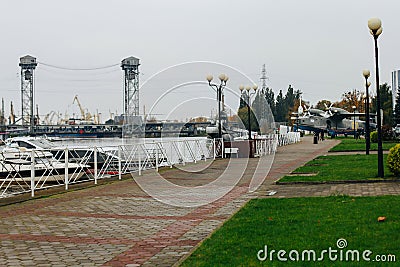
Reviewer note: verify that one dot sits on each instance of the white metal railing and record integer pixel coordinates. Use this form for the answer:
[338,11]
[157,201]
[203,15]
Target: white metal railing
[39,169]
[289,138]
[270,143]
[218,148]
[267,145]
[32,170]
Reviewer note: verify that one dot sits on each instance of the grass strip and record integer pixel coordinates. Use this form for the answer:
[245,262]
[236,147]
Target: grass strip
[334,168]
[305,224]
[351,144]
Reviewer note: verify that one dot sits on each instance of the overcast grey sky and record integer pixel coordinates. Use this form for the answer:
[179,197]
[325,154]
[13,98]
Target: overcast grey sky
[319,47]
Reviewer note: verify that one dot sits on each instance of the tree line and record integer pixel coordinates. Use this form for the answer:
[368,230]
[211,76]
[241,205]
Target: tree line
[283,105]
[356,98]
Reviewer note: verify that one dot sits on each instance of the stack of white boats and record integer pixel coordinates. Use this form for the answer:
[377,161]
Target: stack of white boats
[24,158]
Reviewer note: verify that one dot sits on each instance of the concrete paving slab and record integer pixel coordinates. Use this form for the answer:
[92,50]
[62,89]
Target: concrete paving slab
[117,224]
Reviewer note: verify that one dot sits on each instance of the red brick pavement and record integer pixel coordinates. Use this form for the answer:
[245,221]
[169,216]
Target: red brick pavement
[118,225]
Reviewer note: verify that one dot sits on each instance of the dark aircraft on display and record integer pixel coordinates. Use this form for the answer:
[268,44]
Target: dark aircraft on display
[332,120]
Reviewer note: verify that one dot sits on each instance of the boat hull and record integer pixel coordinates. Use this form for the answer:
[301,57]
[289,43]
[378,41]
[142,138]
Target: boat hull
[40,176]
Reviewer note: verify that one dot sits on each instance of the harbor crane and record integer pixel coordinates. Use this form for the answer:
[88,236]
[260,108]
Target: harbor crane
[84,116]
[12,115]
[48,119]
[37,118]
[80,106]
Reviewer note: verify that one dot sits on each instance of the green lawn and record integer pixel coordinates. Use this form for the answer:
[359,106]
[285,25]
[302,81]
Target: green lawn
[305,224]
[339,168]
[351,144]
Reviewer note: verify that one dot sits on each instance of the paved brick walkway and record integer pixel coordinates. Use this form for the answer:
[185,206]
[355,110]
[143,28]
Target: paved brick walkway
[304,151]
[118,224]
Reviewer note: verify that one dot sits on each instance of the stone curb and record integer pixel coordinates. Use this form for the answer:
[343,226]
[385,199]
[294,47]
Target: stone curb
[340,182]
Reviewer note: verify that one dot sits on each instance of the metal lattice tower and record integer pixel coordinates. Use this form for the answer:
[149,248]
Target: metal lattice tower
[263,79]
[28,65]
[2,115]
[130,66]
[262,110]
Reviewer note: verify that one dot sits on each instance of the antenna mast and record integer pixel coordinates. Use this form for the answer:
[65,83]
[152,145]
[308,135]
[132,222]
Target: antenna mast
[263,79]
[2,116]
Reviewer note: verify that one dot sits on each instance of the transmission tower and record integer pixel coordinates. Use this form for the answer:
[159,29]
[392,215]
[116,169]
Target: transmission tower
[263,112]
[28,65]
[263,79]
[130,66]
[2,116]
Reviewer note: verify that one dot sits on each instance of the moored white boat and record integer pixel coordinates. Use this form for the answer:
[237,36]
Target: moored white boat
[83,155]
[16,165]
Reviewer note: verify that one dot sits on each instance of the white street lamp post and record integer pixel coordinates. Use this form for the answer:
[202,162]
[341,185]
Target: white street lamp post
[223,79]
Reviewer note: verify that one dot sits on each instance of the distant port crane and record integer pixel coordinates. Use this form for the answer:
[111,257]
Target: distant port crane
[48,118]
[86,116]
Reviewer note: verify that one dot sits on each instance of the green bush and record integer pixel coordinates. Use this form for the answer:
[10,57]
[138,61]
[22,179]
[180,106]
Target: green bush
[374,137]
[393,160]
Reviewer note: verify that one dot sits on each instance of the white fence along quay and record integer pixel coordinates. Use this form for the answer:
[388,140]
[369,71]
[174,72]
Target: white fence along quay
[29,171]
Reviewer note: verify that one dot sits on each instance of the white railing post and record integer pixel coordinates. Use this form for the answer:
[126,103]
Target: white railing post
[32,173]
[264,146]
[171,157]
[95,164]
[204,151]
[192,153]
[140,161]
[222,148]
[156,159]
[214,147]
[66,180]
[171,149]
[119,163]
[184,153]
